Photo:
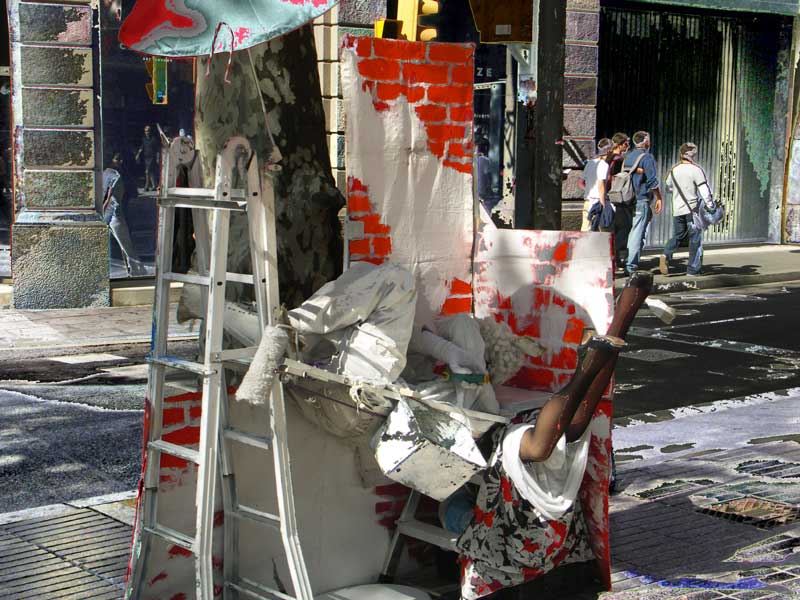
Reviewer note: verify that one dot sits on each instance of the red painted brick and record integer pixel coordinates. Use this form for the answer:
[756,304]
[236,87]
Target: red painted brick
[172,416]
[460,287]
[381,246]
[532,328]
[195,412]
[185,436]
[364,47]
[415,93]
[357,203]
[389,91]
[450,94]
[425,73]
[368,86]
[456,149]
[454,306]
[185,397]
[399,50]
[461,113]
[561,253]
[449,53]
[354,185]
[533,378]
[360,246]
[436,147]
[372,224]
[462,75]
[379,69]
[461,167]
[373,260]
[574,331]
[566,359]
[381,106]
[172,462]
[445,132]
[431,113]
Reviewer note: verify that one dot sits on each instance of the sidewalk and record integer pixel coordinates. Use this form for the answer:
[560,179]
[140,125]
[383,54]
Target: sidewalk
[726,267]
[86,327]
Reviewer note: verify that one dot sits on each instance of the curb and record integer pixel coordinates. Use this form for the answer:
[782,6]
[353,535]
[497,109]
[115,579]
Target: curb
[705,282]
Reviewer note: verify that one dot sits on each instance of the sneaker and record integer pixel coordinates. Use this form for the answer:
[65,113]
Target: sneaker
[663,265]
[693,274]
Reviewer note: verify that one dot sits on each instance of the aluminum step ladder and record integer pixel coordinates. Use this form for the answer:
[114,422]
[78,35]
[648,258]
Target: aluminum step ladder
[257,201]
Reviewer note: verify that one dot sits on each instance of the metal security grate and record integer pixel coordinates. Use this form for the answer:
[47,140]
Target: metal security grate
[764,514]
[78,556]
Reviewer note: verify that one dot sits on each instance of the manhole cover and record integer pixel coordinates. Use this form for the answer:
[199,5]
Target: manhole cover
[755,511]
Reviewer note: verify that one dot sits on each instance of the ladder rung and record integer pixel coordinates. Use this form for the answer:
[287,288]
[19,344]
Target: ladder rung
[257,590]
[179,363]
[171,535]
[265,518]
[204,204]
[428,533]
[236,354]
[176,450]
[209,193]
[257,441]
[239,278]
[187,278]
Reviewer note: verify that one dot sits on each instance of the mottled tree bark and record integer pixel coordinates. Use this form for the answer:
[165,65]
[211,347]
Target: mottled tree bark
[307,200]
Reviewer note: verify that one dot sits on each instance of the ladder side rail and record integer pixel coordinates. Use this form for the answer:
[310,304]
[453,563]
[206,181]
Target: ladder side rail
[395,552]
[155,386]
[270,244]
[212,387]
[259,241]
[230,501]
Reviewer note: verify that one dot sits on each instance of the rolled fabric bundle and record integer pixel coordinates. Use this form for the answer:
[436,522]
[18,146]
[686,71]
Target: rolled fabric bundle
[257,383]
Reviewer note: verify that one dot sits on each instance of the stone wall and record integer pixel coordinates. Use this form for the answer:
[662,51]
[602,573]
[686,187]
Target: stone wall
[580,101]
[59,244]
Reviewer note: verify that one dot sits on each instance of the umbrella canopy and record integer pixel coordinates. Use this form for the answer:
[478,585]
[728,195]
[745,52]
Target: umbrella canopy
[189,27]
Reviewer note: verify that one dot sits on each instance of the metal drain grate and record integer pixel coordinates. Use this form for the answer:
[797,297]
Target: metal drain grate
[755,511]
[80,555]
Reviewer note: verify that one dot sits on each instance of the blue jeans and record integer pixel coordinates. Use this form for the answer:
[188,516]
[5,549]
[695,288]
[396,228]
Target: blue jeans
[683,227]
[641,219]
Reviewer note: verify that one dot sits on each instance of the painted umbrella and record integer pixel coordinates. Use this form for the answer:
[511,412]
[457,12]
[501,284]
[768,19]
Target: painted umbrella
[191,27]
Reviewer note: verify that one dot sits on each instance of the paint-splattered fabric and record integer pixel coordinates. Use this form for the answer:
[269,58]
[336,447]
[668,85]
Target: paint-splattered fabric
[507,543]
[187,27]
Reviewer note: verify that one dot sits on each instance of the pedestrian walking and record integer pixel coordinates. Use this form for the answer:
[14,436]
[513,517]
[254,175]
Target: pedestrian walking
[593,181]
[689,186]
[114,198]
[623,214]
[150,151]
[648,196]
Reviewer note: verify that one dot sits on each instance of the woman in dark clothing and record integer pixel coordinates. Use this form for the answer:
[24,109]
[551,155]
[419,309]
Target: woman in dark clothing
[623,216]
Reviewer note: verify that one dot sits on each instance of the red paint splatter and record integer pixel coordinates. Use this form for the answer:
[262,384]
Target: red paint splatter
[240,35]
[161,576]
[147,16]
[178,551]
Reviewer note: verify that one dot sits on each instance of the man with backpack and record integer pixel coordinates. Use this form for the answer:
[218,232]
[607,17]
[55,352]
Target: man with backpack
[640,166]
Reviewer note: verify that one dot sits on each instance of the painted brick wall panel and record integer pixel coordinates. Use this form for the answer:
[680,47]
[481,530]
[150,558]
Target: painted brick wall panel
[53,24]
[53,107]
[51,189]
[56,66]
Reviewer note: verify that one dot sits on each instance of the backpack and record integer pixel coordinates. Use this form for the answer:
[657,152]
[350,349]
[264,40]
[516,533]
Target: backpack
[622,191]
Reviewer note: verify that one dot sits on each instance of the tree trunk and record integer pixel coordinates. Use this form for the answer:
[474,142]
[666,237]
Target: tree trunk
[307,200]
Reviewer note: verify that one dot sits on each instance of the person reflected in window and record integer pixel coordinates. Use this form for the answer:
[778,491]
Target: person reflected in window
[114,198]
[149,152]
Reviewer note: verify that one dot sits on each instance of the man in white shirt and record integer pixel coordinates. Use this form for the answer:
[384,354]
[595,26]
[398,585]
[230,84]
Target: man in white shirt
[593,182]
[688,183]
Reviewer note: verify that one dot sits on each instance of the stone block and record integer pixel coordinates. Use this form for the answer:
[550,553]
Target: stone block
[328,78]
[60,266]
[361,12]
[55,24]
[569,186]
[583,5]
[580,121]
[326,40]
[57,189]
[580,91]
[583,27]
[56,66]
[334,115]
[58,148]
[53,107]
[581,59]
[336,150]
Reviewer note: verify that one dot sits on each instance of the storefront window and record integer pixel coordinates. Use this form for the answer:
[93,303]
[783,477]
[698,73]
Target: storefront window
[143,103]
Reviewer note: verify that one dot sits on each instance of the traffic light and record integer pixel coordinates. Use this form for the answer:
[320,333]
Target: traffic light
[157,71]
[419,18]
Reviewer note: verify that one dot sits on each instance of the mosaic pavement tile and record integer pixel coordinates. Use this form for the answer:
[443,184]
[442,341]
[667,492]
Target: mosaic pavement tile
[670,488]
[777,469]
[774,549]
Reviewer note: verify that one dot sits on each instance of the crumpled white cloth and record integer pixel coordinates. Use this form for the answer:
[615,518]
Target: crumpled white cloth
[550,486]
[368,315]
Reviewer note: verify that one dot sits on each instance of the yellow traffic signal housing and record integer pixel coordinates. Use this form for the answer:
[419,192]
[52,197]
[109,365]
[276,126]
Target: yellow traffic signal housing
[157,87]
[415,16]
